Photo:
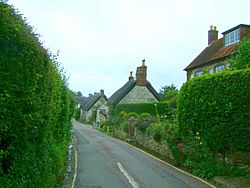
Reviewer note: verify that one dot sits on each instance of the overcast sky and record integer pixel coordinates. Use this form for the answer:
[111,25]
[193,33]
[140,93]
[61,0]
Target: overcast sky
[101,41]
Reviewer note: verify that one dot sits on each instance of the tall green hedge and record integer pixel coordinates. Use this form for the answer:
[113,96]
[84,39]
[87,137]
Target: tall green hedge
[151,108]
[217,108]
[35,107]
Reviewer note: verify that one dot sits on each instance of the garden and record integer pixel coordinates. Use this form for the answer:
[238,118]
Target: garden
[203,128]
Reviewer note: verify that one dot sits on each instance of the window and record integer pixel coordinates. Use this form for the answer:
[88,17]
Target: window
[192,75]
[232,37]
[219,68]
[211,71]
[199,73]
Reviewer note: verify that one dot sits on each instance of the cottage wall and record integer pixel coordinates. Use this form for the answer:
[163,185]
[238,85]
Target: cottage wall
[207,68]
[139,94]
[89,113]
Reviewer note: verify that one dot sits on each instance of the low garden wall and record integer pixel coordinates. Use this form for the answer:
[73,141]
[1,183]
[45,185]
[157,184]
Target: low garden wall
[147,142]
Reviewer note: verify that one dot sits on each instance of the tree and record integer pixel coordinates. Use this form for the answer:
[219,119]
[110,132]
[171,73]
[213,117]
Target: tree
[241,58]
[79,93]
[169,94]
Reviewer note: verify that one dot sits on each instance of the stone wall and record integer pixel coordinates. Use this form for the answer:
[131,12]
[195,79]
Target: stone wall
[139,94]
[149,143]
[119,133]
[146,142]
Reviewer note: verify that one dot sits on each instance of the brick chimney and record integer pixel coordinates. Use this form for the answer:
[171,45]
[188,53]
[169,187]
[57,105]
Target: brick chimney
[141,74]
[131,76]
[212,34]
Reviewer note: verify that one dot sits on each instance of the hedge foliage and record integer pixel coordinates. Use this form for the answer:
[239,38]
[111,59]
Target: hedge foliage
[35,107]
[217,108]
[162,108]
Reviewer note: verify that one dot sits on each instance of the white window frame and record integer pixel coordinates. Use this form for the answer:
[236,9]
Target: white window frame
[219,67]
[232,37]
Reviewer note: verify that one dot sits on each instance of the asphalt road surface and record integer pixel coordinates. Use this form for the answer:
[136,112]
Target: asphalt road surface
[104,162]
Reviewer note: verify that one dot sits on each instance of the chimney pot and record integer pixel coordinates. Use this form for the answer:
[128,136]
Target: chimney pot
[143,62]
[131,76]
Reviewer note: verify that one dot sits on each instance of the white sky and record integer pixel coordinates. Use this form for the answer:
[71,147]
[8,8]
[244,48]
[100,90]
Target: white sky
[101,41]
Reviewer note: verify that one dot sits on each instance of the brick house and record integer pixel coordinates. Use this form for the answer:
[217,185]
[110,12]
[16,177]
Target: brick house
[136,90]
[214,57]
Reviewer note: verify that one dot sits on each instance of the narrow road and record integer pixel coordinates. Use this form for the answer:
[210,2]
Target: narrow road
[104,162]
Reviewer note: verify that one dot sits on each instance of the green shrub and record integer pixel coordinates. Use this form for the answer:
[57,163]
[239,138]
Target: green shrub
[124,126]
[144,121]
[155,131]
[143,108]
[241,58]
[131,114]
[201,161]
[144,115]
[169,131]
[77,114]
[35,110]
[218,107]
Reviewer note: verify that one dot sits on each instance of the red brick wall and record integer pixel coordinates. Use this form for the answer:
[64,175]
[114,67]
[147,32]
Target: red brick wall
[244,32]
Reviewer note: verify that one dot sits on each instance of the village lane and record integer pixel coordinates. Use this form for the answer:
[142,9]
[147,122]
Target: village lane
[110,163]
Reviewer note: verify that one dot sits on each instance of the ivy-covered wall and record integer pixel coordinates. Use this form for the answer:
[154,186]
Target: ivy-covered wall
[35,107]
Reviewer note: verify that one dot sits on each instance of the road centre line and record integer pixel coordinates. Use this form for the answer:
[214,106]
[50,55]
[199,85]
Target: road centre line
[130,179]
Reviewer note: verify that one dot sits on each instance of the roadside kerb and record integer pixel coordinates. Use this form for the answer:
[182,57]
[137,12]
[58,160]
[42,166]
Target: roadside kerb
[76,158]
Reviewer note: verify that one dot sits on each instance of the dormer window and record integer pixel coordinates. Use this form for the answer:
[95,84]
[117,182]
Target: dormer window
[232,37]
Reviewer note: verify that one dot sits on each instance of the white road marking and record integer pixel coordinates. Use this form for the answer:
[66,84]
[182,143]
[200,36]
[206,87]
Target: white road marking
[130,179]
[195,177]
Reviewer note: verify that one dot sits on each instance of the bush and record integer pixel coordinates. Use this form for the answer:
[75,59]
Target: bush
[156,132]
[169,131]
[35,108]
[77,114]
[144,121]
[241,58]
[200,159]
[131,114]
[144,115]
[151,108]
[218,107]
